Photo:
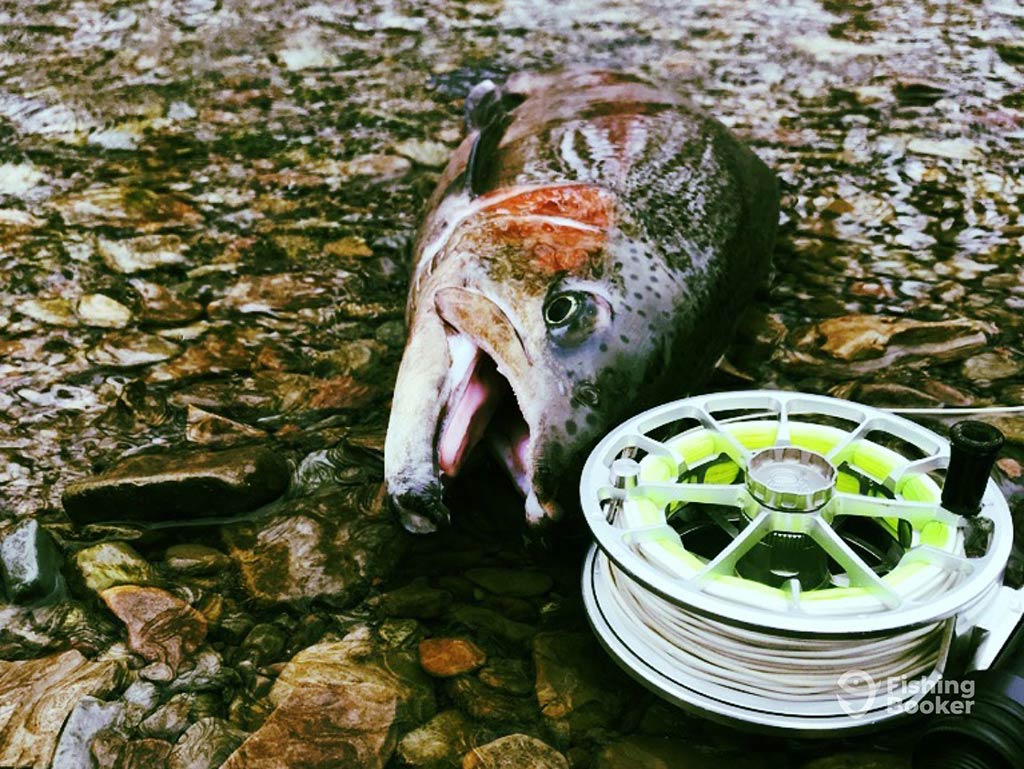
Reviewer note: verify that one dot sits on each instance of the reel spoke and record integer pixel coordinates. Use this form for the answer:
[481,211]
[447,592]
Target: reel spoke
[859,573]
[728,494]
[643,442]
[918,514]
[736,451]
[637,535]
[937,461]
[725,562]
[935,557]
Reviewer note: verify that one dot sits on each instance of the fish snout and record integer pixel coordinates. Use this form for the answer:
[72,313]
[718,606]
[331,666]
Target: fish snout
[421,510]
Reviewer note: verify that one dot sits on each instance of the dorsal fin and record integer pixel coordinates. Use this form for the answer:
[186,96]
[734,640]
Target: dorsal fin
[488,112]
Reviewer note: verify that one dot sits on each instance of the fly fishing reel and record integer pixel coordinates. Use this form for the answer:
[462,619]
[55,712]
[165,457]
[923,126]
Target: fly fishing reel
[794,563]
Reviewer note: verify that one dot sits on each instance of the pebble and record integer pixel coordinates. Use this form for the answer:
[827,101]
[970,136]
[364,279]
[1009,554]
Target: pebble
[170,719]
[516,751]
[991,366]
[446,657]
[103,312]
[130,349]
[114,563]
[194,559]
[206,744]
[442,741]
[141,254]
[162,307]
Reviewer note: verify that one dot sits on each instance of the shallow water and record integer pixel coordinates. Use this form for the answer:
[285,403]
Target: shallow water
[205,146]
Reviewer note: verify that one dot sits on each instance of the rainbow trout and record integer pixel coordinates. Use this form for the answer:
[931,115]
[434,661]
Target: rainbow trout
[585,255]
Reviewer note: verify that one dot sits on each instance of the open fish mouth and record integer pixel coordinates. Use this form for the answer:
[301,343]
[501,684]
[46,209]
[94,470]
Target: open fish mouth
[482,413]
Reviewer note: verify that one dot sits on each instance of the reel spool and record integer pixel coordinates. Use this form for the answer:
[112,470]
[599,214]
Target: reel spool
[775,560]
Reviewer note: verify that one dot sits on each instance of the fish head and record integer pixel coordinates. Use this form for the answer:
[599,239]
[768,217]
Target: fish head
[532,335]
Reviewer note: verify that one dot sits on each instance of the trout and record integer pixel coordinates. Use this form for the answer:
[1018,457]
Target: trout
[585,255]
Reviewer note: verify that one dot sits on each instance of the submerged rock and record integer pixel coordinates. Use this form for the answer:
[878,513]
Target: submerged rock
[441,742]
[161,307]
[577,686]
[446,657]
[36,695]
[516,751]
[110,564]
[340,704]
[329,546]
[192,559]
[140,254]
[209,429]
[30,563]
[128,349]
[639,752]
[161,628]
[179,486]
[89,717]
[205,745]
[103,312]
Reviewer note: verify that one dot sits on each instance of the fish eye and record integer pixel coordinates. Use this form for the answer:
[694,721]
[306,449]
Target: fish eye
[573,317]
[561,308]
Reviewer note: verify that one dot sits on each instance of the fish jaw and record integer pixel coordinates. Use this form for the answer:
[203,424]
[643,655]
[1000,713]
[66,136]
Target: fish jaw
[466,379]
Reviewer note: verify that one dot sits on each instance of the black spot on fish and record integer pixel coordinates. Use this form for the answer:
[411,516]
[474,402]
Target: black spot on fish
[624,338]
[637,295]
[570,427]
[603,347]
[591,418]
[641,313]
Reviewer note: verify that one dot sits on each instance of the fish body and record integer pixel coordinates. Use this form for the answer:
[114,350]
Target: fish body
[585,255]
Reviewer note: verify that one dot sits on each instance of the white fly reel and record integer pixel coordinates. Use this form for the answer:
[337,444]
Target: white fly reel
[777,560]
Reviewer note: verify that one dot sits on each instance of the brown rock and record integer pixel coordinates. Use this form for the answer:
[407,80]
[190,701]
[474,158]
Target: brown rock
[269,294]
[350,726]
[516,751]
[328,546]
[446,657]
[877,341]
[161,628]
[341,704]
[485,703]
[215,354]
[179,486]
[441,742]
[209,429]
[163,308]
[36,695]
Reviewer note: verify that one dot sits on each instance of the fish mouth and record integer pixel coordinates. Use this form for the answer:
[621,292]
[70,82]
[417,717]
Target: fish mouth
[482,413]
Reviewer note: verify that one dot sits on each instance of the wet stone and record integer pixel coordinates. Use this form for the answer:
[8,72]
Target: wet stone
[179,486]
[161,628]
[482,702]
[517,583]
[205,745]
[516,751]
[576,682]
[861,760]
[36,694]
[441,742]
[141,254]
[103,312]
[110,564]
[341,704]
[170,719]
[416,600]
[492,623]
[130,349]
[265,643]
[89,717]
[209,429]
[193,560]
[328,546]
[30,563]
[161,307]
[992,366]
[509,675]
[446,657]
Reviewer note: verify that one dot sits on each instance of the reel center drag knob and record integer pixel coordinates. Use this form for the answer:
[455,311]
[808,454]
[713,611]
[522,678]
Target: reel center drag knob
[791,479]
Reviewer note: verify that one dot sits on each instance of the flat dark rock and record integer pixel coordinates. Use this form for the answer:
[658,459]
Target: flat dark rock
[160,487]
